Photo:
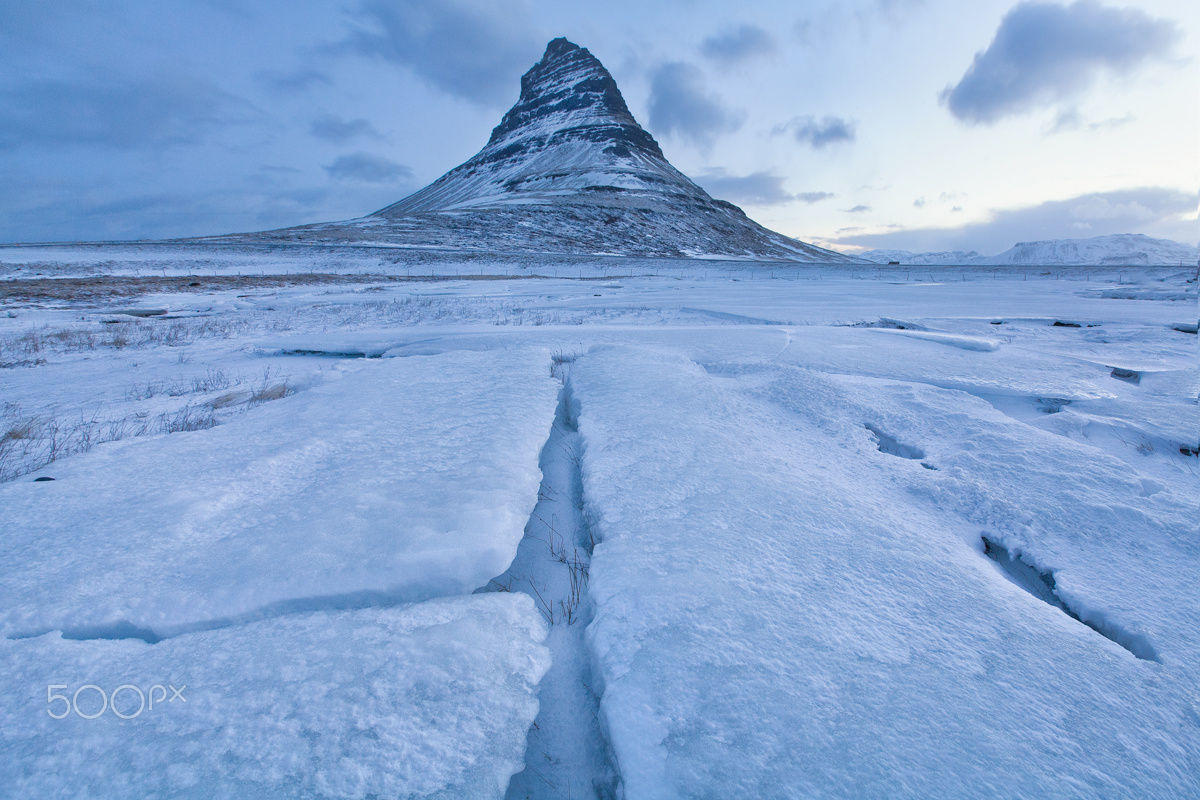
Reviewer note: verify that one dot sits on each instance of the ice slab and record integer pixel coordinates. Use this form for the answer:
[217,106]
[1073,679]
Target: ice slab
[426,701]
[401,480]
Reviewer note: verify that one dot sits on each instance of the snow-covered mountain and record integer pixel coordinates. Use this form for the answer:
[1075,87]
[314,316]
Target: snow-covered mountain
[909,257]
[1133,249]
[1116,250]
[567,170]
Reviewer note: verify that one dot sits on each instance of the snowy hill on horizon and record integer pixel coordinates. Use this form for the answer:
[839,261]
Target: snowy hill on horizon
[567,170]
[1122,249]
[909,257]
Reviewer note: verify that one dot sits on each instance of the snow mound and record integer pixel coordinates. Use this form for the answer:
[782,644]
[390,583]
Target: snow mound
[977,343]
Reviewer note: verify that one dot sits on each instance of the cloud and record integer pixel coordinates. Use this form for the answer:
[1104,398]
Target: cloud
[757,188]
[814,197]
[858,209]
[680,105]
[919,202]
[1069,119]
[818,134]
[739,44]
[337,130]
[367,168]
[1044,53]
[1156,211]
[471,51]
[88,214]
[111,112]
[295,81]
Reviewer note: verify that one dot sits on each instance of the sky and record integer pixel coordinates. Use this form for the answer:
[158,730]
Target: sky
[913,124]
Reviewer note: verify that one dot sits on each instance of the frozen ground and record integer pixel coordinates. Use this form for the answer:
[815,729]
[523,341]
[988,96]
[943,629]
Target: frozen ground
[800,531]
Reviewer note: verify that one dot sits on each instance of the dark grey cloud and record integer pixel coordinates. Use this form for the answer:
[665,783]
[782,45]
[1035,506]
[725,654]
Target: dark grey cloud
[738,44]
[367,168]
[334,129]
[858,209]
[681,105]
[116,113]
[1044,53]
[1156,211]
[94,216]
[814,197]
[818,133]
[472,51]
[756,188]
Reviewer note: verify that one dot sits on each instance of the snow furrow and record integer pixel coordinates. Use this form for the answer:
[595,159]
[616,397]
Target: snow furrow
[1040,583]
[567,752]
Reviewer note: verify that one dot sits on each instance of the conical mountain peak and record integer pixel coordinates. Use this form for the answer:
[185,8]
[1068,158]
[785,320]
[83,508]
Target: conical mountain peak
[568,170]
[569,131]
[569,88]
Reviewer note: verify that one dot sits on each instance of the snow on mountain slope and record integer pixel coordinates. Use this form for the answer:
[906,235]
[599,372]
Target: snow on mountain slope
[567,170]
[909,257]
[1122,249]
[569,132]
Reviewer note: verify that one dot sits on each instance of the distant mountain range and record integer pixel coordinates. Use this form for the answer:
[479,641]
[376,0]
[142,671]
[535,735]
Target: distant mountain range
[1122,249]
[567,170]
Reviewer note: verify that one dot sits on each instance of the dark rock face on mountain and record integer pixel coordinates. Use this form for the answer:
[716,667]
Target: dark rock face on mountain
[567,170]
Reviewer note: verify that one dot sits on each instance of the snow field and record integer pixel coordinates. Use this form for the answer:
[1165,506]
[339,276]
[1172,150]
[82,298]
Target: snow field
[855,538]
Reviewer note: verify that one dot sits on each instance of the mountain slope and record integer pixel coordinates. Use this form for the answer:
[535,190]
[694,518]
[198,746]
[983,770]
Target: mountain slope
[567,170]
[1121,249]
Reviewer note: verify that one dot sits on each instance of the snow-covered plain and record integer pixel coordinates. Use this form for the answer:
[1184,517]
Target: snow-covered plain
[800,531]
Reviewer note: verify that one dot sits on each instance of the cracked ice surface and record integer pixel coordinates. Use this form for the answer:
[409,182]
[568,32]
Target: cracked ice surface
[782,608]
[778,604]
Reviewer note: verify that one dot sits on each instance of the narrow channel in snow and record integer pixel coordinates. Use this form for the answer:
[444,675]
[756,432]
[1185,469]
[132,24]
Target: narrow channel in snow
[566,753]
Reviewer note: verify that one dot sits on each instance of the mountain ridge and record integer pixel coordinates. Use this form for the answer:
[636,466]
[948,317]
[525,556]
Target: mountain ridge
[1118,249]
